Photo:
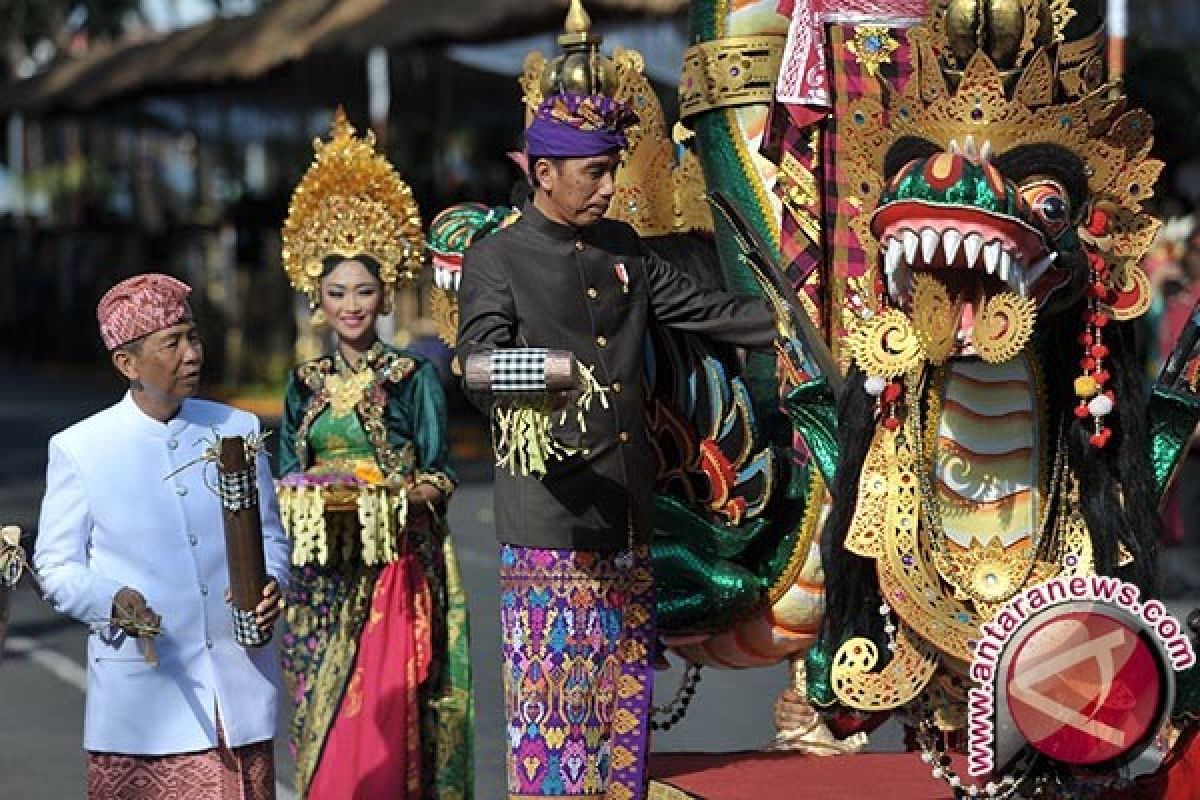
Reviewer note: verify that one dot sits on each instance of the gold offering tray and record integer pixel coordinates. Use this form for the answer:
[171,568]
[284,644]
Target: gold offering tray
[342,497]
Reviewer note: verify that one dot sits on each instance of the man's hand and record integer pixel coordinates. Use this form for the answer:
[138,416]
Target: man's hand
[269,608]
[131,613]
[420,497]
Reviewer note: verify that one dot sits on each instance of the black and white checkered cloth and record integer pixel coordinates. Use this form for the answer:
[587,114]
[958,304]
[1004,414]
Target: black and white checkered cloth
[239,490]
[521,370]
[246,631]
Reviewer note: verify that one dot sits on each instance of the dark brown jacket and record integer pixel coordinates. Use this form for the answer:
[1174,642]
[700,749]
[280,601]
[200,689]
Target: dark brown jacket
[541,284]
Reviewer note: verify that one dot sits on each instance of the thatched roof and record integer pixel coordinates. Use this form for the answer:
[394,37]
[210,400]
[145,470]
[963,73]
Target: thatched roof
[237,49]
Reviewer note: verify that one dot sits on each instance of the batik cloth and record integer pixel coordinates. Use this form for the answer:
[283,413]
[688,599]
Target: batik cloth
[141,305]
[578,632]
[578,126]
[222,773]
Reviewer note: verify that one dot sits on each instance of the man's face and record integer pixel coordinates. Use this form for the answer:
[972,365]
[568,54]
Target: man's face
[577,191]
[164,364]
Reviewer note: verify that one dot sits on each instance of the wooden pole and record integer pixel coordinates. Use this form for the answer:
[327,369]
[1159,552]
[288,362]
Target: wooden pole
[243,527]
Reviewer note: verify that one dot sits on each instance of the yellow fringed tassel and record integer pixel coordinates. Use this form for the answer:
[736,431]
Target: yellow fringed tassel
[382,516]
[522,435]
[522,439]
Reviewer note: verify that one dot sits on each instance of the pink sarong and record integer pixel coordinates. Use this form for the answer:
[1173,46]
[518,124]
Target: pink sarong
[374,746]
[222,773]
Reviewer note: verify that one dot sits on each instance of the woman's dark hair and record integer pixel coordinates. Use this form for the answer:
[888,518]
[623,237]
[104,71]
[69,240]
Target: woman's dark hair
[330,263]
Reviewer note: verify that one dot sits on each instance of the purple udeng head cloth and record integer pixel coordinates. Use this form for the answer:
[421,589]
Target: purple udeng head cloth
[578,126]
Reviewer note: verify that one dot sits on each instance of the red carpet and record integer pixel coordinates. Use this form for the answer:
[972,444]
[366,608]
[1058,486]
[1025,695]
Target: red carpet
[787,776]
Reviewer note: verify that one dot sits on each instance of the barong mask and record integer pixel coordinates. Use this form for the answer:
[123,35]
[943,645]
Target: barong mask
[1007,183]
[451,232]
[351,203]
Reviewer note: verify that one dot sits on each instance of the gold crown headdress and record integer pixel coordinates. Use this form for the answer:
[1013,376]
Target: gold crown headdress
[351,203]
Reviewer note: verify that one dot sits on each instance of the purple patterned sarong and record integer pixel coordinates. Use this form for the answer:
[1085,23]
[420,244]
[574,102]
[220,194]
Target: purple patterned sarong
[578,630]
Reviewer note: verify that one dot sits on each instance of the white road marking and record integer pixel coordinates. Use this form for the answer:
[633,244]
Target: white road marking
[54,662]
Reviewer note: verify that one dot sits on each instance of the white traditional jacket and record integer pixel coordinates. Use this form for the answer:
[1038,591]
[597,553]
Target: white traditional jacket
[111,518]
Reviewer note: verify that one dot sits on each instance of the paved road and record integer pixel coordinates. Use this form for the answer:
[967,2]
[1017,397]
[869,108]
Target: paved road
[41,676]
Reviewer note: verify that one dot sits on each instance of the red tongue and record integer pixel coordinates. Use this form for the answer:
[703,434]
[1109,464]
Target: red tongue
[966,323]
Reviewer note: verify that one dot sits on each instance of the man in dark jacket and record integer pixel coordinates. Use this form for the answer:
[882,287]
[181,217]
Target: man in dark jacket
[577,590]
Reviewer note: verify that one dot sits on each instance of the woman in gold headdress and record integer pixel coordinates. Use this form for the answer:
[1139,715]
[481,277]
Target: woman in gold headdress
[376,647]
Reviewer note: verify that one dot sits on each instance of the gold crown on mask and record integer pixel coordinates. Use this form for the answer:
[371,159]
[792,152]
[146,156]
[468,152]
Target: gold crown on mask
[987,110]
[653,193]
[351,203]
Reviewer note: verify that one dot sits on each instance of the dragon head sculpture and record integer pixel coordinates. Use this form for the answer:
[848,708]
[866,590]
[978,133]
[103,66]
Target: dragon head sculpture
[1003,191]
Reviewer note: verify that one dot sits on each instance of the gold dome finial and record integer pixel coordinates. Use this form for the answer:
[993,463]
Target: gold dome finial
[578,20]
[1007,31]
[581,68]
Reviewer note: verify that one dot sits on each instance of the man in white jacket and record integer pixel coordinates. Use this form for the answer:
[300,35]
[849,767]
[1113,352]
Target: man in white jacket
[131,542]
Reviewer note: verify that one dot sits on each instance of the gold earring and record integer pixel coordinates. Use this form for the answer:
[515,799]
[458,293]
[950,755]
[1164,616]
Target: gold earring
[318,319]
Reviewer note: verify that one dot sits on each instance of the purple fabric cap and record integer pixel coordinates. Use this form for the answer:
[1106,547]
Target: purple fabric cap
[578,126]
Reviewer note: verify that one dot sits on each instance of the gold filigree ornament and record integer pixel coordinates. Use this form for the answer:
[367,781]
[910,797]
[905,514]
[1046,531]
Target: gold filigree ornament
[443,307]
[644,190]
[990,574]
[345,390]
[1004,327]
[886,345]
[935,318]
[351,203]
[912,665]
[872,46]
[729,72]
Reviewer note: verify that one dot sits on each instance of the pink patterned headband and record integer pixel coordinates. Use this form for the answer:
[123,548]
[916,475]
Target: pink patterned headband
[140,305]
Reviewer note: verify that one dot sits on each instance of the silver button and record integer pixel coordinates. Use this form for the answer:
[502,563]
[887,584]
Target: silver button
[173,444]
[208,643]
[204,590]
[579,245]
[601,341]
[181,490]
[192,539]
[624,437]
[616,387]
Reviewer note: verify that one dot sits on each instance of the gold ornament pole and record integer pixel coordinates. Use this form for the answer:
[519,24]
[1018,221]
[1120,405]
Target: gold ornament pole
[798,726]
